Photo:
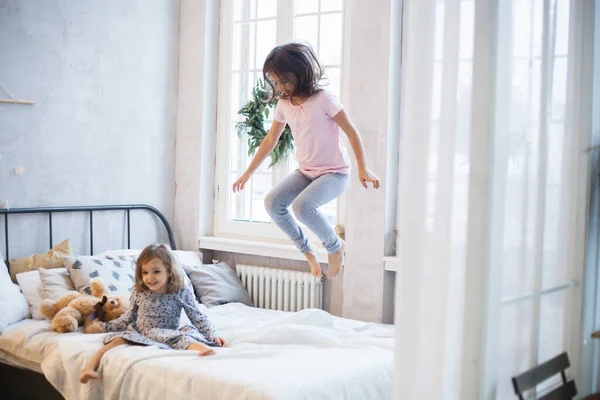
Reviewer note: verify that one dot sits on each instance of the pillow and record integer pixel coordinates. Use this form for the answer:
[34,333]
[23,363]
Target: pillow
[13,304]
[217,284]
[55,282]
[117,274]
[31,286]
[52,259]
[189,260]
[132,254]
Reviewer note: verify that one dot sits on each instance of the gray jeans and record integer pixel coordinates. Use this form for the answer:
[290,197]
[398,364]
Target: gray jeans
[306,195]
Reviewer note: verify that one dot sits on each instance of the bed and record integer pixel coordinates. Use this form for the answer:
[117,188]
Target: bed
[308,354]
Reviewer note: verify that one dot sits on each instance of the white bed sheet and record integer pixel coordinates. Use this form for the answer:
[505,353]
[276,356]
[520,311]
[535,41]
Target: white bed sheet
[27,343]
[273,355]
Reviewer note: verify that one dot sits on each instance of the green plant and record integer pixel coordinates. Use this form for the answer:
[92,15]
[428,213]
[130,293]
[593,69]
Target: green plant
[252,128]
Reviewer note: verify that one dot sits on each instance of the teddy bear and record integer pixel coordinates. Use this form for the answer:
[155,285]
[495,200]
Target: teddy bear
[74,309]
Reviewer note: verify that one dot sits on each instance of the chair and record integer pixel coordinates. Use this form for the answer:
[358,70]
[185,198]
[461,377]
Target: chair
[530,379]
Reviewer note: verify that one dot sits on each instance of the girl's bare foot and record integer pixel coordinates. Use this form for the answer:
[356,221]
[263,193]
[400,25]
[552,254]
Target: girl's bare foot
[336,261]
[87,374]
[315,267]
[206,352]
[202,349]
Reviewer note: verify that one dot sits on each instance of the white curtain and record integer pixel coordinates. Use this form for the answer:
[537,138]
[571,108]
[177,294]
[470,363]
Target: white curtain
[492,192]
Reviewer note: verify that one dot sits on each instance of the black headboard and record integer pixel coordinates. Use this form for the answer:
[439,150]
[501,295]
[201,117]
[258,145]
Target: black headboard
[89,209]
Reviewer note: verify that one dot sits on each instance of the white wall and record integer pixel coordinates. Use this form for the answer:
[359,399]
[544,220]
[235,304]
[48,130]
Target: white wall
[196,121]
[104,76]
[367,288]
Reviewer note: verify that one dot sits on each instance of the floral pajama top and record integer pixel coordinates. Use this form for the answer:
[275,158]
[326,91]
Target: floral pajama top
[153,319]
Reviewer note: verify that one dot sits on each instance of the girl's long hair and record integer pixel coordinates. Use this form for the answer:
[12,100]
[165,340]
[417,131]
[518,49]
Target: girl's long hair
[163,253]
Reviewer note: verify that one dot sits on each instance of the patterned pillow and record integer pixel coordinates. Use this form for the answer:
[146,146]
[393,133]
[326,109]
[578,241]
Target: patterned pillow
[130,253]
[117,273]
[52,259]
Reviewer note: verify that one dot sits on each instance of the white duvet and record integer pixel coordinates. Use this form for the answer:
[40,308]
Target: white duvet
[273,355]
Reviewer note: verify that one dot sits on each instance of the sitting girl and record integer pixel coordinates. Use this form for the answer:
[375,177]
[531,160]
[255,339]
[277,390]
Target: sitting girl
[153,316]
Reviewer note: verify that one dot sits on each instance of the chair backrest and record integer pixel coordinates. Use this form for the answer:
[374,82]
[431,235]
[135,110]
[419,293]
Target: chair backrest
[530,379]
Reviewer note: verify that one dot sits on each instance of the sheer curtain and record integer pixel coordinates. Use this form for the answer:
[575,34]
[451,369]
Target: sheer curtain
[492,192]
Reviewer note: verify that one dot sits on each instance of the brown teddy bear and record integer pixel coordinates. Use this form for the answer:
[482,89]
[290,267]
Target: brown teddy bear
[73,308]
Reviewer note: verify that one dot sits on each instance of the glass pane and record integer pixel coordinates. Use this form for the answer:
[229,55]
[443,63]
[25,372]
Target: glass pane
[236,153]
[522,28]
[522,183]
[460,200]
[331,5]
[559,88]
[265,41]
[438,52]
[554,331]
[243,46]
[434,144]
[527,28]
[306,30]
[330,51]
[260,187]
[306,6]
[333,74]
[556,137]
[436,98]
[241,92]
[244,9]
[237,200]
[267,8]
[555,271]
[562,27]
[516,344]
[467,27]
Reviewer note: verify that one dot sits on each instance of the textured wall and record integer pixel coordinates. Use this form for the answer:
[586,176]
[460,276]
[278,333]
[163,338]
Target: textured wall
[368,289]
[104,76]
[196,121]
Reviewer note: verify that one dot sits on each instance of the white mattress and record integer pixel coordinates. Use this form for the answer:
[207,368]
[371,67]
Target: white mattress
[273,355]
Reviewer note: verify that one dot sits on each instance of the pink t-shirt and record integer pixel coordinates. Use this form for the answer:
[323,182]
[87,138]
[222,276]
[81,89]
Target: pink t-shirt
[319,149]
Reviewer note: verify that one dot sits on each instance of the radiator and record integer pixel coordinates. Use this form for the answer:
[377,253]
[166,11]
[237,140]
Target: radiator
[281,289]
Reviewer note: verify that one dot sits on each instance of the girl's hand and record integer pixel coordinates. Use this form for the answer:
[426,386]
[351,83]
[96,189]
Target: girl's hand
[365,175]
[221,342]
[240,183]
[95,327]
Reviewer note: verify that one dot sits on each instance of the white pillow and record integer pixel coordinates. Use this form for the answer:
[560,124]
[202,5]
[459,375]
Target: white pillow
[31,286]
[189,260]
[118,274]
[55,282]
[13,305]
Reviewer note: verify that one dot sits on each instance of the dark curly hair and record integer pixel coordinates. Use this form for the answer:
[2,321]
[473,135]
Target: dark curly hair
[297,64]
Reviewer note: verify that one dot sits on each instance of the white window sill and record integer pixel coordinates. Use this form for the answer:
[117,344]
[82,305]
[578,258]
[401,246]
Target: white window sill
[256,248]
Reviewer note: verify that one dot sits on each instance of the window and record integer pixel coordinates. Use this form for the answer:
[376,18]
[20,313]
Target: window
[525,202]
[537,280]
[250,29]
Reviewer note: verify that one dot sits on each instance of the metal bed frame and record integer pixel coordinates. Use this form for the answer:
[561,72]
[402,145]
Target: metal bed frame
[89,209]
[19,383]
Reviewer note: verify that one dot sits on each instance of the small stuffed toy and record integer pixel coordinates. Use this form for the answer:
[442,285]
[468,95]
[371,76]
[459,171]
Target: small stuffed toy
[73,308]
